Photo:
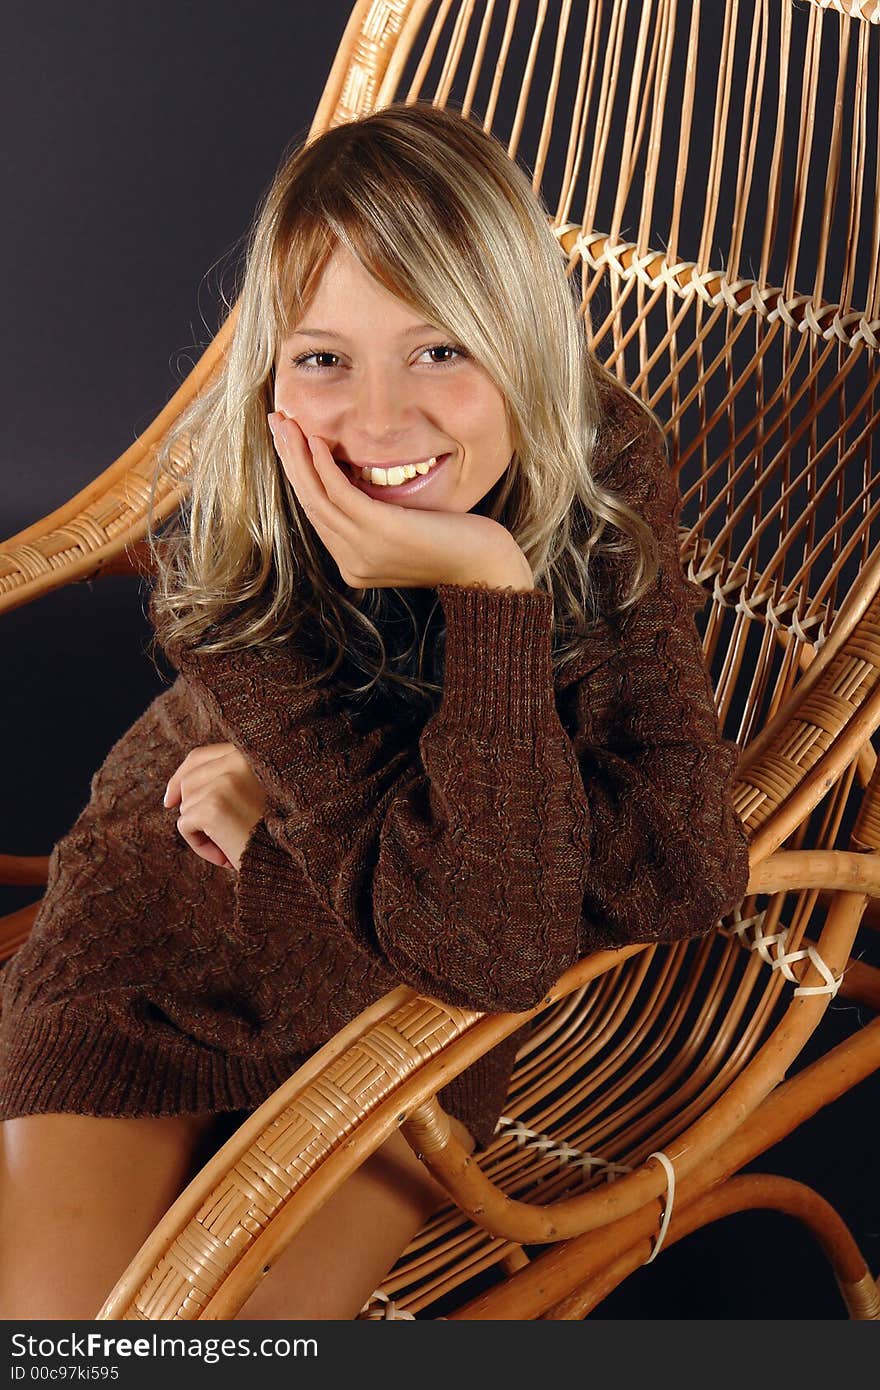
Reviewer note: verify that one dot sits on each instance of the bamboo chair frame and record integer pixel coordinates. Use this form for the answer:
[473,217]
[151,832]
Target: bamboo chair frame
[652,1075]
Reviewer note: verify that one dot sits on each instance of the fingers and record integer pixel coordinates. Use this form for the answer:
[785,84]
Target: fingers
[295,453]
[201,844]
[327,496]
[197,757]
[224,800]
[343,516]
[209,820]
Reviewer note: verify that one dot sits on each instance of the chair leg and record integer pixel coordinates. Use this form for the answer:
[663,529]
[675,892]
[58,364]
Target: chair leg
[748,1191]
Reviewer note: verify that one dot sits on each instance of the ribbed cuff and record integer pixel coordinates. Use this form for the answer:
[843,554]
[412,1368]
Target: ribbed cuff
[260,884]
[57,1061]
[498,672]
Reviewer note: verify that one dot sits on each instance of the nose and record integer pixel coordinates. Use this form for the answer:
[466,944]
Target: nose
[383,408]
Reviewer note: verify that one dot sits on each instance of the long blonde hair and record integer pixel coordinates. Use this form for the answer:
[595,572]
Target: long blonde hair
[435,209]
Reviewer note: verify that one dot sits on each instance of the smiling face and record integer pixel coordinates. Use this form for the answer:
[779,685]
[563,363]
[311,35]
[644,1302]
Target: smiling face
[383,389]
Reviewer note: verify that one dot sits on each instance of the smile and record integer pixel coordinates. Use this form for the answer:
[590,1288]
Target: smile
[393,477]
[399,481]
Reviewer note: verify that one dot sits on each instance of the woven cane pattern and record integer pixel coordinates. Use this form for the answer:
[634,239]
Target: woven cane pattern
[117,514]
[868,10]
[371,45]
[772,948]
[741,297]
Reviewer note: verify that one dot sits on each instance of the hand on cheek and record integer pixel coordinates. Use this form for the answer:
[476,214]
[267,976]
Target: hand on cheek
[377,544]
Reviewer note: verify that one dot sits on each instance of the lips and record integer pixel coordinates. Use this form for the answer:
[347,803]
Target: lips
[392,492]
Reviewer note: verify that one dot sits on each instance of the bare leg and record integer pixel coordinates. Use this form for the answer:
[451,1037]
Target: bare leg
[333,1265]
[79,1195]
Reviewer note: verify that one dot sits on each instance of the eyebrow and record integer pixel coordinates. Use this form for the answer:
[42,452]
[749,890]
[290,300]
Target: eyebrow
[328,333]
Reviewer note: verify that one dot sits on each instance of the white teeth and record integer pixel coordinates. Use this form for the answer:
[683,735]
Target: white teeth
[393,477]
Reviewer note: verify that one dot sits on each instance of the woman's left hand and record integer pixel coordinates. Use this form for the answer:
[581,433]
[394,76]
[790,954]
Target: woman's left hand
[383,545]
[220,802]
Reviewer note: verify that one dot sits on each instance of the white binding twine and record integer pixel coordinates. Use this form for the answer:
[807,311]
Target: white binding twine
[762,942]
[566,1153]
[668,1201]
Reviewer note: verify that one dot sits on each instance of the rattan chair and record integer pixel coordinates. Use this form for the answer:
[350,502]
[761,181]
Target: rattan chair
[652,1075]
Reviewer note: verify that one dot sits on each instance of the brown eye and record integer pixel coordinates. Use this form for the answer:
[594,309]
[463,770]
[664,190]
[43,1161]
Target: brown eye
[447,347]
[306,356]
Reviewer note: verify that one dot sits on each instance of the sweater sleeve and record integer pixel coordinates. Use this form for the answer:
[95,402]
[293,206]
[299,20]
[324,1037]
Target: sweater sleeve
[668,854]
[480,863]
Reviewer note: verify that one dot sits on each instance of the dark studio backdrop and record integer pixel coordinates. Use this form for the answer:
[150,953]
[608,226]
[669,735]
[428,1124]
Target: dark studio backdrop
[136,144]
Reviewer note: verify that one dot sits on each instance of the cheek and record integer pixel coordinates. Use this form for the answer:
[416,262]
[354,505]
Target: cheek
[495,431]
[478,413]
[300,400]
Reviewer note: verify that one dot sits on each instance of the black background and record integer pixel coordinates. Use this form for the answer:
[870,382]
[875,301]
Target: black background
[136,143]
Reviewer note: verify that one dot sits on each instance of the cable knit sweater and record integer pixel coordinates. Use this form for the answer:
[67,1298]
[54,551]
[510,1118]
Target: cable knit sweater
[527,823]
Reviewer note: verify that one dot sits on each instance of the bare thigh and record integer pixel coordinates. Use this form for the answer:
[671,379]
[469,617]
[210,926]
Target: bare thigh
[79,1195]
[341,1255]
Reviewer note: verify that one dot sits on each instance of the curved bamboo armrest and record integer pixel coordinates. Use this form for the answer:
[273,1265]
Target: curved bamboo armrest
[821,729]
[428,1129]
[24,870]
[102,529]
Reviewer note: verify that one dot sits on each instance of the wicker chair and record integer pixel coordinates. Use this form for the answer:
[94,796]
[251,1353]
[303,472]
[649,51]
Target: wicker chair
[652,1075]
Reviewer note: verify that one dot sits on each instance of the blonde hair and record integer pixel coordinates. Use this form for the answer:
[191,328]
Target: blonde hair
[435,209]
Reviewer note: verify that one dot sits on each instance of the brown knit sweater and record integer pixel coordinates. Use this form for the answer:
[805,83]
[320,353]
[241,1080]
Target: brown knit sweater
[526,824]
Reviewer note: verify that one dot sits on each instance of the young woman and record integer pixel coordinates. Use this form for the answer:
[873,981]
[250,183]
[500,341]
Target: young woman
[440,718]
